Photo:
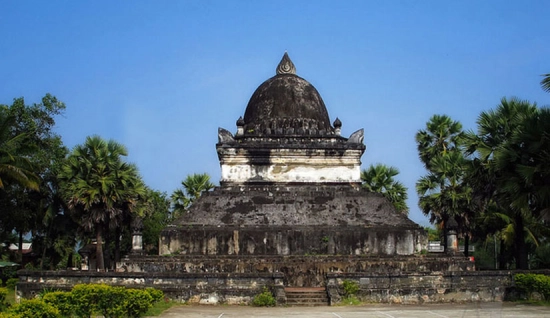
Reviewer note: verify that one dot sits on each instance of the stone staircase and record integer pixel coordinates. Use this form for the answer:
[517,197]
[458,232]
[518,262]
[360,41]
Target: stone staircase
[306,296]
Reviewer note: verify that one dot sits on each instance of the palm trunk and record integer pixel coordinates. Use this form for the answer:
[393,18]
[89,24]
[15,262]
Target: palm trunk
[100,264]
[444,228]
[502,255]
[521,248]
[466,245]
[117,245]
[44,247]
[107,249]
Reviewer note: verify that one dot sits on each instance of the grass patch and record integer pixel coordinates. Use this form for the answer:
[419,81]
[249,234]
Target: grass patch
[350,300]
[161,306]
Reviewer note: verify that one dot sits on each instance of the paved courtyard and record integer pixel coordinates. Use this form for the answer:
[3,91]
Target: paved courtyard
[383,311]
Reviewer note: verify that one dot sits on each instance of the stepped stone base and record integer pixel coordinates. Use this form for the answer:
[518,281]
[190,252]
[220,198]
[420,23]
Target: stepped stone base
[292,219]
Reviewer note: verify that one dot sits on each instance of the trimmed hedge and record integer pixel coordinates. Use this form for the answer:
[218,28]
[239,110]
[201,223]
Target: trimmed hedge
[35,308]
[530,283]
[61,300]
[86,300]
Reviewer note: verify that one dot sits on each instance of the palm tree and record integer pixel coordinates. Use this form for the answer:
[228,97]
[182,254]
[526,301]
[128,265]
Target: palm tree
[13,167]
[99,186]
[502,162]
[196,184]
[441,135]
[380,179]
[545,83]
[134,194]
[526,158]
[193,186]
[443,192]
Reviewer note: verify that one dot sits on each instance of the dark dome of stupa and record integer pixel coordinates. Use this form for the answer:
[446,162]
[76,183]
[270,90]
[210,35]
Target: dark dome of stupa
[286,100]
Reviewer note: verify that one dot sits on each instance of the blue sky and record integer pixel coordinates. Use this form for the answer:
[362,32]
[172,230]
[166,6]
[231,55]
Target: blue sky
[162,76]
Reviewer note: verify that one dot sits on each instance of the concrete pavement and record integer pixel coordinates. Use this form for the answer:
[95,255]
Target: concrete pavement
[480,310]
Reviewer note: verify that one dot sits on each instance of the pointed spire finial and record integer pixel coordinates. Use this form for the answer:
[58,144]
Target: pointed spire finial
[286,66]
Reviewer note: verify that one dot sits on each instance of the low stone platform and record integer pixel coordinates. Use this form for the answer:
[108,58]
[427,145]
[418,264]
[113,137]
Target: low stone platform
[298,271]
[217,288]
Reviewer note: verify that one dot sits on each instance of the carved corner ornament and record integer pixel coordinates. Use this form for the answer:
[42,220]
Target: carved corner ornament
[224,136]
[357,137]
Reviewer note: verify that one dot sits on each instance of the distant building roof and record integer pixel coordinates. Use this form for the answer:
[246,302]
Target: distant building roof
[27,247]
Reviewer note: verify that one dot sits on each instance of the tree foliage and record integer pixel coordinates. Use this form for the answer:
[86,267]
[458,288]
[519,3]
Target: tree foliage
[192,187]
[99,187]
[510,179]
[444,194]
[545,83]
[380,179]
[29,152]
[155,219]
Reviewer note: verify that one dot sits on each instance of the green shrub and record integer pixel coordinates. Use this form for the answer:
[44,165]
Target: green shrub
[264,299]
[350,287]
[111,301]
[156,294]
[45,291]
[533,283]
[3,302]
[137,302]
[85,299]
[35,308]
[11,282]
[63,301]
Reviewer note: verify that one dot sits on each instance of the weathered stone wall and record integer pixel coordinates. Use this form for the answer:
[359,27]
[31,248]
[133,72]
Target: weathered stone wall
[284,240]
[290,219]
[216,288]
[299,271]
[326,164]
[435,287]
[203,288]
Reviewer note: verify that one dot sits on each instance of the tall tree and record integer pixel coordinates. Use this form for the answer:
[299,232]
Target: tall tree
[380,179]
[443,192]
[155,217]
[99,186]
[499,150]
[36,149]
[193,186]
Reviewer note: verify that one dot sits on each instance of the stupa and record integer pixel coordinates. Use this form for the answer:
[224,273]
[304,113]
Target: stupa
[290,185]
[289,214]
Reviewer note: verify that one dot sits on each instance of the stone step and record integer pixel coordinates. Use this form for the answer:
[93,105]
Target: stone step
[306,296]
[298,296]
